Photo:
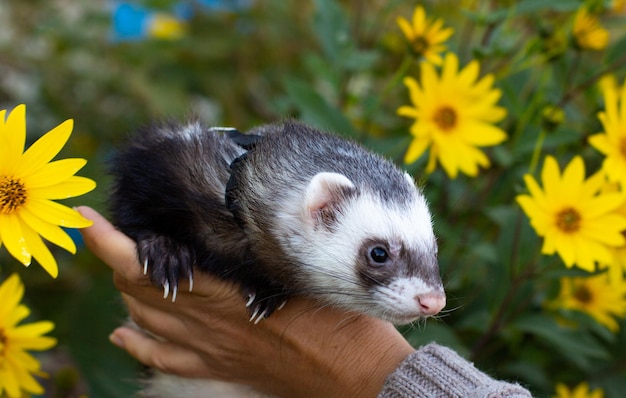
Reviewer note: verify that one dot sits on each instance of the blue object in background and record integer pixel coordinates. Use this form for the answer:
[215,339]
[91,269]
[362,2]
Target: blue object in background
[133,22]
[76,236]
[226,5]
[129,21]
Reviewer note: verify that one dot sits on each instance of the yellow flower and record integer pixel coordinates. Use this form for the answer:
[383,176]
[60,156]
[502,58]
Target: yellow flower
[16,365]
[575,220]
[454,114]
[618,6]
[425,37]
[617,266]
[599,296]
[164,26]
[581,391]
[612,142]
[589,34]
[29,182]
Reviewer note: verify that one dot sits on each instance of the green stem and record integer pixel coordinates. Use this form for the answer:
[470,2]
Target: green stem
[536,152]
[499,319]
[404,66]
[395,79]
[591,81]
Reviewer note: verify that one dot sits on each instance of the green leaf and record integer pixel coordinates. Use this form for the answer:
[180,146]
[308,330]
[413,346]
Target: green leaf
[314,109]
[616,51]
[360,60]
[110,372]
[331,27]
[432,331]
[523,8]
[576,345]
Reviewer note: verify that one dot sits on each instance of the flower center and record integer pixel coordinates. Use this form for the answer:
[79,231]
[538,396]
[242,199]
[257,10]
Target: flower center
[445,118]
[568,220]
[583,295]
[419,45]
[12,194]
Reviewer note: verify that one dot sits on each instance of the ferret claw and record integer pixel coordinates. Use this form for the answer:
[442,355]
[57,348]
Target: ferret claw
[145,266]
[262,315]
[166,289]
[174,293]
[254,314]
[251,298]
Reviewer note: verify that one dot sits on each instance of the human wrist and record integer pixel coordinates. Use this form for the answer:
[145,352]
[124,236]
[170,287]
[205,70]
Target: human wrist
[382,350]
[344,354]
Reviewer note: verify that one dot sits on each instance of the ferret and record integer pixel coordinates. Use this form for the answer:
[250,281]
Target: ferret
[282,210]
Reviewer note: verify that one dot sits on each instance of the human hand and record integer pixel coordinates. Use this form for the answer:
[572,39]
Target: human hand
[301,350]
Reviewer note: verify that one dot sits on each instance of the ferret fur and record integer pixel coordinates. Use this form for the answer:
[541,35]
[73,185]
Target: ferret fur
[284,210]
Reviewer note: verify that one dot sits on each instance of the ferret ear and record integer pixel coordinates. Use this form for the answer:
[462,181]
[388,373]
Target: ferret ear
[408,177]
[324,196]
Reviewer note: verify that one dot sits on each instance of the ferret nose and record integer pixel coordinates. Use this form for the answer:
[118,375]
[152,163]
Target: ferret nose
[431,303]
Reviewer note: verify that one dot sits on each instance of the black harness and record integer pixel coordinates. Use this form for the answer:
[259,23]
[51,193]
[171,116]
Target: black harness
[247,142]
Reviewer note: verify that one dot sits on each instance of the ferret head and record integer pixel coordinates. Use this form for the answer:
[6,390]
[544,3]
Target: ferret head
[368,253]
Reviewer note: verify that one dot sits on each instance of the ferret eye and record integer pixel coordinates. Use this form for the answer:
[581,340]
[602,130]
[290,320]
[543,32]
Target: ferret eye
[379,255]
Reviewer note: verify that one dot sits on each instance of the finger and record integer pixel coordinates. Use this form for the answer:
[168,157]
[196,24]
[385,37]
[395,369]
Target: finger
[166,357]
[117,250]
[160,317]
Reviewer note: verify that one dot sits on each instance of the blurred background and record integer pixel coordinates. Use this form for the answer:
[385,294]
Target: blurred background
[338,64]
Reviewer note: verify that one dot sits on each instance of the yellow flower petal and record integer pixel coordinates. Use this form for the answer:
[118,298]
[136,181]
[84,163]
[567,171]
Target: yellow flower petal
[13,238]
[55,172]
[9,382]
[40,251]
[16,316]
[70,187]
[574,173]
[12,138]
[416,149]
[408,111]
[57,214]
[551,177]
[489,135]
[11,293]
[27,382]
[30,333]
[48,231]
[46,148]
[419,19]
[406,28]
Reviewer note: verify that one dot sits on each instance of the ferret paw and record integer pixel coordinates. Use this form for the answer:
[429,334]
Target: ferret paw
[262,305]
[166,262]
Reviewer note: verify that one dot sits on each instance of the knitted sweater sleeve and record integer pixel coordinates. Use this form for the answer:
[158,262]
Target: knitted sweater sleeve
[437,371]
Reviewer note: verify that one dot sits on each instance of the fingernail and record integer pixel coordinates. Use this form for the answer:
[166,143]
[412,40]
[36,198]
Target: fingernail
[113,338]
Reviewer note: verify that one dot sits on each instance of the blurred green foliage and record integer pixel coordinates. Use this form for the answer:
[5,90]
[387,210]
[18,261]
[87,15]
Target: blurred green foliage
[337,65]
